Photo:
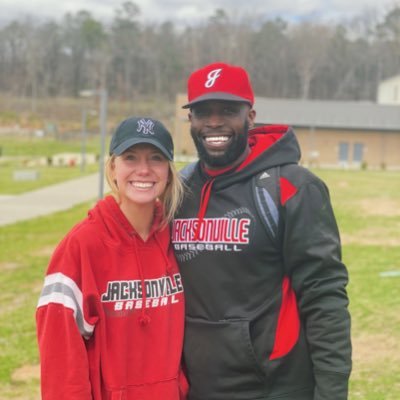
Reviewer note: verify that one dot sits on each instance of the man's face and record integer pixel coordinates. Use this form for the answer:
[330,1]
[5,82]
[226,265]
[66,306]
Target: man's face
[219,130]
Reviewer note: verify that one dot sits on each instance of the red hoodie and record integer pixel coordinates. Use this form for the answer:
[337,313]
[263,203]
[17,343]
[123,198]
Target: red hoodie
[100,336]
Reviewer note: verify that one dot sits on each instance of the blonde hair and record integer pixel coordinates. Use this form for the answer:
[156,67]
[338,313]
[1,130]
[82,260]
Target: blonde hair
[171,199]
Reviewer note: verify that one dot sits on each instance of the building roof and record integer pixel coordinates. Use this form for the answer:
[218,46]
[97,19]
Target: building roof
[328,114]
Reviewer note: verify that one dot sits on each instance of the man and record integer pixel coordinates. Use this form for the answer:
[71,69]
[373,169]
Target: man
[266,301]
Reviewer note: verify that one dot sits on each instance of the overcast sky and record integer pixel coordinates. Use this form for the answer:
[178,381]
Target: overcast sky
[187,12]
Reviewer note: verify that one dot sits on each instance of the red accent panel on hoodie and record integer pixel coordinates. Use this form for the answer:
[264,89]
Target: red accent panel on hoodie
[261,139]
[288,190]
[287,331]
[275,129]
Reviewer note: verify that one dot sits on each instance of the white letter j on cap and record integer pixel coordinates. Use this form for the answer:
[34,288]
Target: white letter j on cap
[212,77]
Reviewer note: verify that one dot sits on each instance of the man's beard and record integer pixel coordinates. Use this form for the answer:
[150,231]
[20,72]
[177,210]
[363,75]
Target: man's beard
[231,154]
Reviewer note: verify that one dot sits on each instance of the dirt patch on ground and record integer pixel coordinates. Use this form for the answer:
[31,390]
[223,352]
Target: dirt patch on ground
[45,252]
[380,207]
[343,184]
[26,373]
[24,384]
[372,237]
[9,266]
[20,392]
[377,234]
[371,350]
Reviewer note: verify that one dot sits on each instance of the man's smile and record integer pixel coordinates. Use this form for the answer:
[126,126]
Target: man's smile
[217,141]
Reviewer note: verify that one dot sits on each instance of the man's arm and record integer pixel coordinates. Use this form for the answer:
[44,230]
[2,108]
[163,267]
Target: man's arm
[312,256]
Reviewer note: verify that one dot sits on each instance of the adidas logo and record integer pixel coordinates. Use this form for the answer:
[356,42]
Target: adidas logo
[265,175]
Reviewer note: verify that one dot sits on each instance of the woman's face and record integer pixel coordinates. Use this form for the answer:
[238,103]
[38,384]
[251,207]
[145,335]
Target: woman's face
[141,174]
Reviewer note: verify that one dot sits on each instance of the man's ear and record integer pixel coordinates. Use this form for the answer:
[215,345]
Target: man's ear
[190,116]
[251,117]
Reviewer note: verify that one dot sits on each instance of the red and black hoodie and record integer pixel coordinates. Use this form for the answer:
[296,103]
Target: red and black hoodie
[263,321]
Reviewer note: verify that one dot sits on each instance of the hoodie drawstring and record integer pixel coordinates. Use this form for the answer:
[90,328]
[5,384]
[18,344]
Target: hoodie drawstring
[144,319]
[205,197]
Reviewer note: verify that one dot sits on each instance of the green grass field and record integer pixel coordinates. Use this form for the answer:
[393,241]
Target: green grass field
[22,153]
[367,206]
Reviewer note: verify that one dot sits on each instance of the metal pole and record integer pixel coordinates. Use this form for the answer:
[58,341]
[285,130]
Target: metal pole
[103,131]
[83,152]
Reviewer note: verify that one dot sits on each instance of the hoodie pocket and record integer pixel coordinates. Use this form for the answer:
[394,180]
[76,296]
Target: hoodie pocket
[212,347]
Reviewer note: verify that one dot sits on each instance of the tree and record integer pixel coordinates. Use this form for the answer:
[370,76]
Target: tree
[130,57]
[83,38]
[169,65]
[308,49]
[388,33]
[14,67]
[52,59]
[125,39]
[272,69]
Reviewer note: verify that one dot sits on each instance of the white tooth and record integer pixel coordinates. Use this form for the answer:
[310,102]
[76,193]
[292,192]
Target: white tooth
[217,139]
[142,184]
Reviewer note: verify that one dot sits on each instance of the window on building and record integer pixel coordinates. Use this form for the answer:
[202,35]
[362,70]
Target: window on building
[343,153]
[358,152]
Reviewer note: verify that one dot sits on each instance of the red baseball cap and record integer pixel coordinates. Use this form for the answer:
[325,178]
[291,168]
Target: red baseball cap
[219,81]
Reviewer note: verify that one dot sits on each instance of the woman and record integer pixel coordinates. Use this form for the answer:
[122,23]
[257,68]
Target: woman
[110,316]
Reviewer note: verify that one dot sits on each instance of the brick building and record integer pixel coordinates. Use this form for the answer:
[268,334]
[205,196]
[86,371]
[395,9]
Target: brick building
[334,134]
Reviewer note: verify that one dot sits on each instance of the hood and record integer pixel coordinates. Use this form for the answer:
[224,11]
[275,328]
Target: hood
[271,146]
[116,231]
[115,227]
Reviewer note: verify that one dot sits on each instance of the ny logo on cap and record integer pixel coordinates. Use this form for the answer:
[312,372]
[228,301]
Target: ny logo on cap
[212,77]
[145,126]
